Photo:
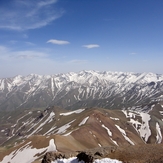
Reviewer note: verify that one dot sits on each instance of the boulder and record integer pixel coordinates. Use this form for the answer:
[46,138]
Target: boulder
[51,156]
[83,156]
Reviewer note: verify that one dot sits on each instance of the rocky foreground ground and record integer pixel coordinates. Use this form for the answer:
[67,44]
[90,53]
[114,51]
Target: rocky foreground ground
[127,154]
[152,153]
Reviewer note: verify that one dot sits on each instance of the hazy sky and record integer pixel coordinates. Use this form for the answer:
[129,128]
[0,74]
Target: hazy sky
[59,36]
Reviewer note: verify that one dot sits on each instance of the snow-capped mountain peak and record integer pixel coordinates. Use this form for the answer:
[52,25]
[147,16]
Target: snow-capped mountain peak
[86,88]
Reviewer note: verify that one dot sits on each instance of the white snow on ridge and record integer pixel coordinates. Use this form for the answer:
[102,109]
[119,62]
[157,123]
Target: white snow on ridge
[141,127]
[135,124]
[84,121]
[88,83]
[144,130]
[72,112]
[129,114]
[51,116]
[114,142]
[48,119]
[62,129]
[99,145]
[124,135]
[107,160]
[108,130]
[109,133]
[27,154]
[2,85]
[116,119]
[75,160]
[52,146]
[68,133]
[159,135]
[50,130]
[161,112]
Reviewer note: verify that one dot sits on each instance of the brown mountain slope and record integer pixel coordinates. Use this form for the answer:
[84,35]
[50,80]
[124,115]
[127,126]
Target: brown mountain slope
[83,129]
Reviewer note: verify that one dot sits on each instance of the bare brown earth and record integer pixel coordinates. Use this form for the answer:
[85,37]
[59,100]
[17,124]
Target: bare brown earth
[149,153]
[92,136]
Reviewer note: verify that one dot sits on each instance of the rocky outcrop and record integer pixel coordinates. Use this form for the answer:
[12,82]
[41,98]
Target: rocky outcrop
[51,156]
[83,156]
[88,156]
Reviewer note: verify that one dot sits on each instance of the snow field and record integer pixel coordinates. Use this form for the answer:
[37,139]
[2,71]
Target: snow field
[27,154]
[63,129]
[145,131]
[141,127]
[124,135]
[159,135]
[84,121]
[72,112]
[48,120]
[75,160]
[110,134]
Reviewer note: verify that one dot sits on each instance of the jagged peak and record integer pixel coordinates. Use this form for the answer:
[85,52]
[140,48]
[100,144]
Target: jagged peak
[95,73]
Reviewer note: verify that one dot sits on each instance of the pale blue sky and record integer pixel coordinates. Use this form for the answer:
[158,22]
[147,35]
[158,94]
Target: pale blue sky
[59,36]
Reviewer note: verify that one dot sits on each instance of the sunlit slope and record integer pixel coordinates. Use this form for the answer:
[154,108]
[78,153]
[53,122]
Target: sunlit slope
[83,129]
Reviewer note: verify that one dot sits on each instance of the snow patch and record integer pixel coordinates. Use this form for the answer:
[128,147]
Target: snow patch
[68,133]
[114,142]
[52,114]
[114,118]
[24,154]
[99,145]
[84,121]
[52,146]
[141,127]
[107,160]
[75,160]
[72,112]
[108,130]
[62,129]
[144,130]
[159,135]
[161,112]
[124,134]
[27,154]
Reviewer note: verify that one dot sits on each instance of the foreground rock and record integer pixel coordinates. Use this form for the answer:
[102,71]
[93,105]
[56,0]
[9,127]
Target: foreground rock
[149,153]
[88,156]
[83,156]
[127,154]
[51,156]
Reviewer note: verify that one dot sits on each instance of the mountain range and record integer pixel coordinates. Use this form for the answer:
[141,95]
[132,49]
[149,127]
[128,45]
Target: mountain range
[111,90]
[90,110]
